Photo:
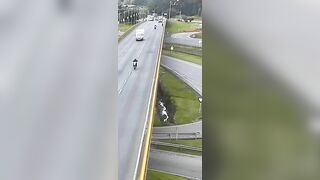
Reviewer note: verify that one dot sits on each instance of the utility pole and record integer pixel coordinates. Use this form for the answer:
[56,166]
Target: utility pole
[171,7]
[170,10]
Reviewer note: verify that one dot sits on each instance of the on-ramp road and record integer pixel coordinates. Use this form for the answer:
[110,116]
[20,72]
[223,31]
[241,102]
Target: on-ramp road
[134,89]
[185,165]
[184,131]
[184,39]
[188,72]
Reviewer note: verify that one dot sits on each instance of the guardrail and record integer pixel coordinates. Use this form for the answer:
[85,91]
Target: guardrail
[196,51]
[143,162]
[175,136]
[180,146]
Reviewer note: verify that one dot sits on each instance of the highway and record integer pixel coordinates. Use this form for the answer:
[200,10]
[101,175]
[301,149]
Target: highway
[184,39]
[184,131]
[134,94]
[185,165]
[188,72]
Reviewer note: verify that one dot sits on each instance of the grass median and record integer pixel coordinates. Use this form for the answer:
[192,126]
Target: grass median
[178,150]
[194,143]
[124,27]
[178,26]
[183,56]
[156,175]
[186,102]
[197,51]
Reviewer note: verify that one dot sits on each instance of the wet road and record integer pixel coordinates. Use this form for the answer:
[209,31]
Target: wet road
[134,89]
[185,165]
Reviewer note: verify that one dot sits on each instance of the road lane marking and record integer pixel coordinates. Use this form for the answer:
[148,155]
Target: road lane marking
[125,82]
[143,170]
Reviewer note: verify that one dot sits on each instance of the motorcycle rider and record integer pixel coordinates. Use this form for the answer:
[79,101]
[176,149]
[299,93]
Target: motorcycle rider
[135,63]
[155,26]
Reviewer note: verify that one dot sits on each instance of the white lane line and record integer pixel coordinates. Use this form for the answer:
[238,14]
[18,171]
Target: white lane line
[125,82]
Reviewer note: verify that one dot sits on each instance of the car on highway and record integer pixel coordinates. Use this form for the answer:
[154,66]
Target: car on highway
[139,34]
[160,19]
[150,18]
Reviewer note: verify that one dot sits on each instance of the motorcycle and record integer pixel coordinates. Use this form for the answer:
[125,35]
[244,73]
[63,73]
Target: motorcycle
[155,26]
[135,64]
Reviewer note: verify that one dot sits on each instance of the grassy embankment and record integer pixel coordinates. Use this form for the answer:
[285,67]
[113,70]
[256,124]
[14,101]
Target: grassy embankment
[187,103]
[183,56]
[194,143]
[179,150]
[191,54]
[177,27]
[124,27]
[155,175]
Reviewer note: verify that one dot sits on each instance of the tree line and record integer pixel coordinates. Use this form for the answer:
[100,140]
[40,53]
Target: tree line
[186,7]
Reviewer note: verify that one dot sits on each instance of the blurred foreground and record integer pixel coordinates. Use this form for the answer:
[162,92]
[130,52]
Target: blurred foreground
[58,90]
[261,90]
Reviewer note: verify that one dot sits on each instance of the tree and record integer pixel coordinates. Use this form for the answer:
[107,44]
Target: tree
[187,7]
[141,2]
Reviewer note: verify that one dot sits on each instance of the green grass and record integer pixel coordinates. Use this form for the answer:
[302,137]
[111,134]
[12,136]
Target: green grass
[177,27]
[255,129]
[183,56]
[178,150]
[155,175]
[187,104]
[156,120]
[195,143]
[124,27]
[197,51]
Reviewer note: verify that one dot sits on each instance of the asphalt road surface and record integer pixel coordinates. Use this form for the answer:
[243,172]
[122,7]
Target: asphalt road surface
[184,131]
[185,165]
[184,39]
[134,89]
[188,72]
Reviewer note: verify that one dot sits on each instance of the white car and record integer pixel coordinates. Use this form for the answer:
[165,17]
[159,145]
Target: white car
[150,18]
